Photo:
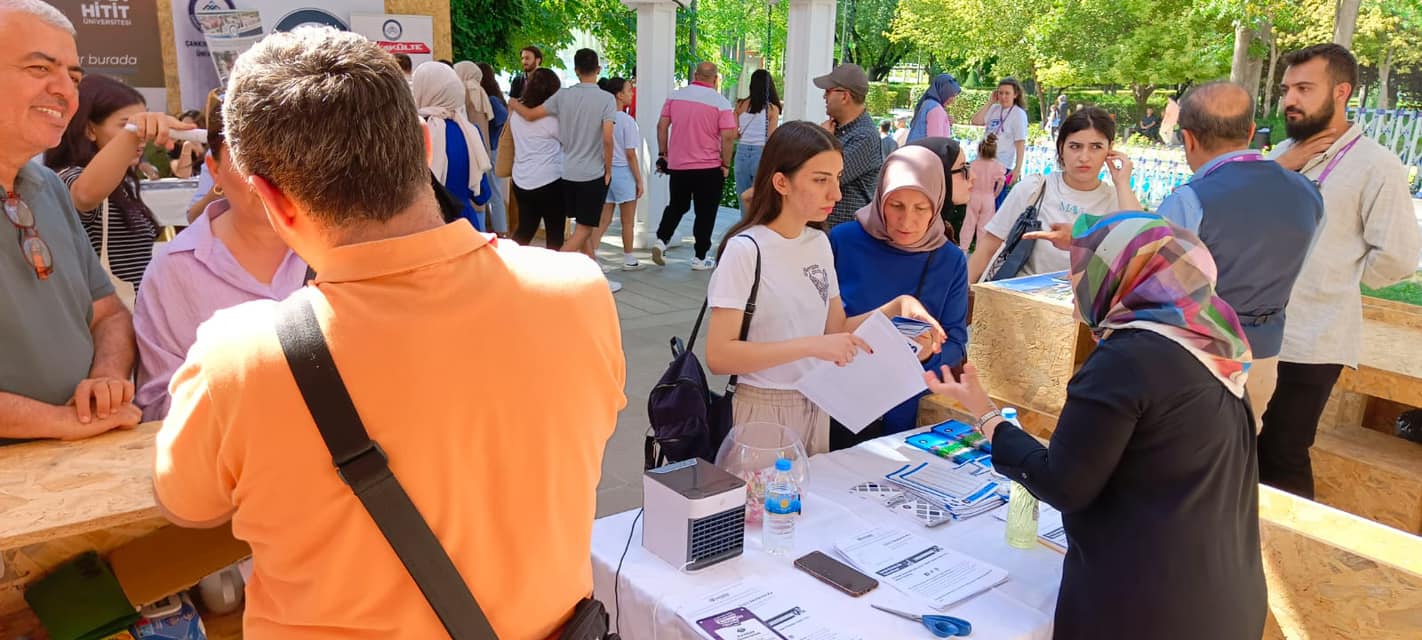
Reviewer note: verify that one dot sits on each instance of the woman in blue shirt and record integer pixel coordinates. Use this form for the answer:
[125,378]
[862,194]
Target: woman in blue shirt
[458,156]
[898,246]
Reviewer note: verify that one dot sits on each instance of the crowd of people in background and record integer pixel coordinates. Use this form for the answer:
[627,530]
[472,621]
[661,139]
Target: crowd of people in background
[1223,319]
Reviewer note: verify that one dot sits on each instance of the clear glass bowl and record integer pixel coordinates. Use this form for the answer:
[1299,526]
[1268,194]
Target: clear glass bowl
[750,451]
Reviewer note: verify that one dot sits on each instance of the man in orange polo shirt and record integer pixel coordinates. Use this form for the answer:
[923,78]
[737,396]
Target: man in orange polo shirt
[491,375]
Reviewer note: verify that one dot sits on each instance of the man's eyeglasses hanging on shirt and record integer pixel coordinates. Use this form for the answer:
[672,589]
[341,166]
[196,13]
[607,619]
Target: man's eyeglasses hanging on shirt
[36,251]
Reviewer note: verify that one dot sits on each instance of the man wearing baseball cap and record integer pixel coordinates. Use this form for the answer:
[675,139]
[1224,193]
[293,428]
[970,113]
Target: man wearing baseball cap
[845,89]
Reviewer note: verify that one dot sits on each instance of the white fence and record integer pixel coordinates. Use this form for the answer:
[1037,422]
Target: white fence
[1397,129]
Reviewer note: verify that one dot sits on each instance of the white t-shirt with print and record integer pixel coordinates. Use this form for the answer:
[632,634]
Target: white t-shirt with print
[1010,125]
[797,286]
[1060,203]
[625,135]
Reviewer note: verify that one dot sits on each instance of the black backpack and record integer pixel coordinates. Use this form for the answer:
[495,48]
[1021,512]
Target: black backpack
[688,420]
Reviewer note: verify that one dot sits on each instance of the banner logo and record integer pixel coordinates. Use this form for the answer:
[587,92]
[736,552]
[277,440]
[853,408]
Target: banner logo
[105,14]
[392,29]
[199,6]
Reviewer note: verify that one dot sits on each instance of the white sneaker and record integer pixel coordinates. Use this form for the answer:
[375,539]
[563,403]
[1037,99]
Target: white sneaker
[705,264]
[657,250]
[631,266]
[614,285]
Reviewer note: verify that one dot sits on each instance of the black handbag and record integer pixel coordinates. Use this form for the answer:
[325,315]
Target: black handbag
[365,468]
[688,419]
[1016,251]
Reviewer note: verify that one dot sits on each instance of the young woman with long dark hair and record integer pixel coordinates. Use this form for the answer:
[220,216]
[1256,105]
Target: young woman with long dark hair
[538,165]
[1084,146]
[799,316]
[757,115]
[98,159]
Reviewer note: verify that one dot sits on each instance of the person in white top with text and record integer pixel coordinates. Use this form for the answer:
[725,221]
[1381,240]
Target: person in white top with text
[1368,235]
[1006,116]
[1083,147]
[798,315]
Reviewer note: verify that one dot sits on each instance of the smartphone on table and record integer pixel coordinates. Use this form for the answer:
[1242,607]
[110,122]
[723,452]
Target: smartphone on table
[836,574]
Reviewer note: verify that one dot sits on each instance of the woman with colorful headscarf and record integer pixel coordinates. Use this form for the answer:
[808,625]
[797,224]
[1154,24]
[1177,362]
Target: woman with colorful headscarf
[930,116]
[1152,463]
[897,246]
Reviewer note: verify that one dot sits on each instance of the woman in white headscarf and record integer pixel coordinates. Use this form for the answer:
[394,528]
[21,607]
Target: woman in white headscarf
[480,108]
[459,157]
[476,101]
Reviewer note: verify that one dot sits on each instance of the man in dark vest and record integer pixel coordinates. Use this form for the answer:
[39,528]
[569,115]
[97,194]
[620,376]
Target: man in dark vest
[1257,218]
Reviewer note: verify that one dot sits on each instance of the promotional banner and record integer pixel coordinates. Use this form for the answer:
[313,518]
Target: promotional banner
[115,39]
[410,35]
[229,34]
[196,71]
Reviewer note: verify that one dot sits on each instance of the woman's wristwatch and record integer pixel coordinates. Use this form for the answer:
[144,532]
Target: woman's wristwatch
[995,414]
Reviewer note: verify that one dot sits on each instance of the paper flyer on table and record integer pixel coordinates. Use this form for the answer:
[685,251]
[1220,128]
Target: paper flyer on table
[866,388]
[937,576]
[749,611]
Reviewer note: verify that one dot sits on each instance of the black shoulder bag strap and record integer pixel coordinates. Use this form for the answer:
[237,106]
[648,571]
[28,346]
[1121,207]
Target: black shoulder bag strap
[750,308]
[362,464]
[918,292]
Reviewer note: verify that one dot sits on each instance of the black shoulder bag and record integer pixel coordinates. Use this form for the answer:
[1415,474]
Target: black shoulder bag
[1016,251]
[688,420]
[365,468]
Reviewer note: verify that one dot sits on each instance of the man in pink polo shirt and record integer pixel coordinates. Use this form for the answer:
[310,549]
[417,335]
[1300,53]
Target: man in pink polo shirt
[701,128]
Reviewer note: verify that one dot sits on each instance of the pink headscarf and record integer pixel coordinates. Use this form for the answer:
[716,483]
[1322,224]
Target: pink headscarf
[910,167]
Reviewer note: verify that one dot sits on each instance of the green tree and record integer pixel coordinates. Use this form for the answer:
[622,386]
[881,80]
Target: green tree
[867,40]
[494,31]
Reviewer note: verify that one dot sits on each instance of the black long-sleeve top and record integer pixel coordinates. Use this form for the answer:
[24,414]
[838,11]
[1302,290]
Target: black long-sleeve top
[1153,467]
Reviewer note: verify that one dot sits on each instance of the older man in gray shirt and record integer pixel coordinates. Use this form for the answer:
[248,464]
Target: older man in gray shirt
[67,341]
[584,111]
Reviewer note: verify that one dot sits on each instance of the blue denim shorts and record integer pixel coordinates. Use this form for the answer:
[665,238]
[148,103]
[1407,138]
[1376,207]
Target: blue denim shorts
[623,187]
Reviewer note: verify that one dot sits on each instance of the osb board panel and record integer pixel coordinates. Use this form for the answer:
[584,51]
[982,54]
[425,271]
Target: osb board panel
[1024,347]
[51,490]
[1395,313]
[1334,575]
[1370,474]
[24,565]
[443,31]
[1345,408]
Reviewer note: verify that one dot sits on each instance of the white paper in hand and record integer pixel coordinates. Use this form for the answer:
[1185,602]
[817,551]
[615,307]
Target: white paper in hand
[861,391]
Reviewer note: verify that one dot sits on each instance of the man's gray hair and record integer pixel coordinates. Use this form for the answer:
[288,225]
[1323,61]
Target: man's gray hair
[326,117]
[39,9]
[1218,114]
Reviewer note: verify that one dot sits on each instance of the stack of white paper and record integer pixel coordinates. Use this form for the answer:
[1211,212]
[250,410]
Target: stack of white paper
[750,611]
[937,576]
[871,384]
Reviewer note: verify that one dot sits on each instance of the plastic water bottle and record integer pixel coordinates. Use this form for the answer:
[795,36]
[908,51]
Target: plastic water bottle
[1022,508]
[782,508]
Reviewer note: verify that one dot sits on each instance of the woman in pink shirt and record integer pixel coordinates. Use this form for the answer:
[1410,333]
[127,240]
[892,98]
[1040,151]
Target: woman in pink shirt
[988,177]
[930,116]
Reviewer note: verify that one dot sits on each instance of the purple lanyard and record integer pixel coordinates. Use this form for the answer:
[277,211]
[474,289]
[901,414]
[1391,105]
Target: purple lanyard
[1334,162]
[1240,158]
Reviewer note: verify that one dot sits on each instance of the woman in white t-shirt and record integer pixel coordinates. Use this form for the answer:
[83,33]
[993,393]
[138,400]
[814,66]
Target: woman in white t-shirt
[756,118]
[538,165]
[1083,147]
[625,188]
[1006,117]
[798,316]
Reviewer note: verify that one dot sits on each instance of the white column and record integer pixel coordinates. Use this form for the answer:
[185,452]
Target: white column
[809,53]
[656,62]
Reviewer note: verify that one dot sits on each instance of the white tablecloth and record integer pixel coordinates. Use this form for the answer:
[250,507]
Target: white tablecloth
[650,591]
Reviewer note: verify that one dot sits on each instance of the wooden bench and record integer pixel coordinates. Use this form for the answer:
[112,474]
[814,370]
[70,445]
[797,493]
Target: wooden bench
[60,499]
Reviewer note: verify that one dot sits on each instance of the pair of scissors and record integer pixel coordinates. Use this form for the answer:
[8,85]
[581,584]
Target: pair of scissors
[941,626]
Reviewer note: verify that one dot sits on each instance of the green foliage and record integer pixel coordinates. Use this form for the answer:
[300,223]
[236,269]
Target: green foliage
[1409,292]
[880,100]
[870,43]
[493,31]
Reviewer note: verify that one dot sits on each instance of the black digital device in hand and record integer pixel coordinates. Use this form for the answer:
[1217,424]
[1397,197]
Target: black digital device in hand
[836,574]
